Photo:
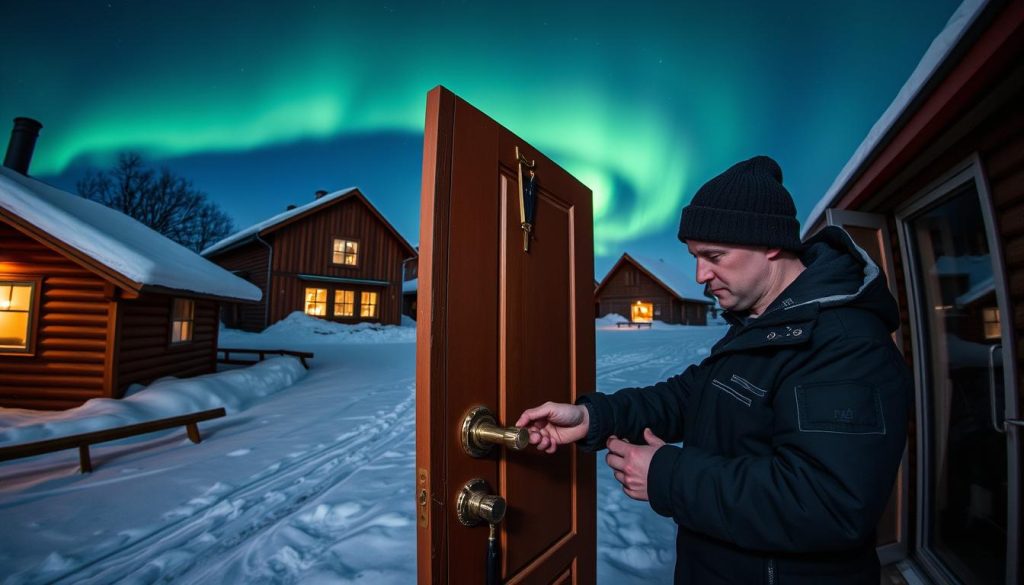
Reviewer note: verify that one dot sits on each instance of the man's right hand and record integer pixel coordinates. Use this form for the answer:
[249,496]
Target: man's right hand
[552,424]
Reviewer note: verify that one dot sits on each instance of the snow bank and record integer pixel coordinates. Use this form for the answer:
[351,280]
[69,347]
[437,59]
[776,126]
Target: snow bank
[234,390]
[301,328]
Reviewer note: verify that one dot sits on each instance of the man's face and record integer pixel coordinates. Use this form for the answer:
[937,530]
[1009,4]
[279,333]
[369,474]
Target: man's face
[736,275]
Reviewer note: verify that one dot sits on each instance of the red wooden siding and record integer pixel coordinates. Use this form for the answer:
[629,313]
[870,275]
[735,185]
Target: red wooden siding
[70,364]
[144,349]
[617,295]
[249,262]
[305,247]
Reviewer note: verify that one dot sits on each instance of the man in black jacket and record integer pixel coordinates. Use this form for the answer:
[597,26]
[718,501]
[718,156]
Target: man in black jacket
[792,429]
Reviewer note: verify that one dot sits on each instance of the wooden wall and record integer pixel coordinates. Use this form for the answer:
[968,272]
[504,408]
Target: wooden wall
[249,262]
[305,247]
[71,360]
[144,349]
[617,296]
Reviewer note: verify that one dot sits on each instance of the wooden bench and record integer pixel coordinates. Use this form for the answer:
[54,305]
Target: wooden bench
[262,353]
[637,324]
[84,440]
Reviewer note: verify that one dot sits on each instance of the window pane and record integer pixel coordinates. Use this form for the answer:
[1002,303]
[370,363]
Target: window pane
[13,330]
[368,304]
[344,303]
[966,486]
[316,302]
[21,297]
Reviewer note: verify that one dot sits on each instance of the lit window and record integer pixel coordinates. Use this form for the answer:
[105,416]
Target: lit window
[344,303]
[991,317]
[368,304]
[316,302]
[346,252]
[183,320]
[16,299]
[642,312]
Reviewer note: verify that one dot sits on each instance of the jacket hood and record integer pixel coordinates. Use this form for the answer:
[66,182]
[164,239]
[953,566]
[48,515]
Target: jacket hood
[837,273]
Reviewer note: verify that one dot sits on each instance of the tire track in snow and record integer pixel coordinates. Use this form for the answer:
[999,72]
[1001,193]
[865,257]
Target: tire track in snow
[228,516]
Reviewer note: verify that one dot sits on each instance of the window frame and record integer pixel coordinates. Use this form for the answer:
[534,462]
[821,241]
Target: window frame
[327,300]
[334,308]
[359,246]
[35,297]
[375,304]
[192,328]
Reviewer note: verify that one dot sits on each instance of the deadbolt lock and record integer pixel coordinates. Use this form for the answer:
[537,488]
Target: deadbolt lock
[480,432]
[477,505]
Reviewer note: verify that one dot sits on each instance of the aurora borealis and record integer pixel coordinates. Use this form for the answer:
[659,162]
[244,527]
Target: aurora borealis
[260,104]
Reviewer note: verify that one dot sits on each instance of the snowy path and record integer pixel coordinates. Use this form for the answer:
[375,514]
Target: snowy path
[313,484]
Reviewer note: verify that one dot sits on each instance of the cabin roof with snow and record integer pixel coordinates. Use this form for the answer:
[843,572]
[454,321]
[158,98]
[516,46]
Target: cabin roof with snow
[280,220]
[672,278]
[929,71]
[117,247]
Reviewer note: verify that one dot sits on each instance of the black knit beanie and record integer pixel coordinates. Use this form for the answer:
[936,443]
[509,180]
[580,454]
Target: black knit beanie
[746,204]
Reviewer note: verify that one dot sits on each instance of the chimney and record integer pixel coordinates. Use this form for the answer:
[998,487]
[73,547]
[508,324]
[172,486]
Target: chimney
[23,142]
[320,193]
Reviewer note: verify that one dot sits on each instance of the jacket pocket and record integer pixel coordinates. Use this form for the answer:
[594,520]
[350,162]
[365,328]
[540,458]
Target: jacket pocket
[848,408]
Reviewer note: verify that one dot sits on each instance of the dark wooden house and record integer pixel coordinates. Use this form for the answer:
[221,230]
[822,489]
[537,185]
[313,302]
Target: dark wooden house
[92,301]
[935,194]
[335,258]
[648,289]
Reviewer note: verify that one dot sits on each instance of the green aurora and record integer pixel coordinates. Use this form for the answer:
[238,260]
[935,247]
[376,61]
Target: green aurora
[641,103]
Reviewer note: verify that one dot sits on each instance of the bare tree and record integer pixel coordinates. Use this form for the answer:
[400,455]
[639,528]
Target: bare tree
[162,200]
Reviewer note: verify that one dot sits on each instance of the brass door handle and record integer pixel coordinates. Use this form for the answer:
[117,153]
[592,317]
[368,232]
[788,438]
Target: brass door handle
[476,504]
[480,432]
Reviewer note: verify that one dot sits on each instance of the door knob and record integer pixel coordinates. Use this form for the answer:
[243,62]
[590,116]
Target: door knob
[476,504]
[480,432]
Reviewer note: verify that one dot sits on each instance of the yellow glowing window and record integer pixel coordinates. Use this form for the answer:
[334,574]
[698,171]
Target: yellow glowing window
[316,302]
[641,312]
[344,303]
[183,320]
[16,300]
[346,252]
[991,317]
[368,304]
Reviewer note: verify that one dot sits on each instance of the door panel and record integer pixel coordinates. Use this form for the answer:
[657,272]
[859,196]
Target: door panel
[507,329]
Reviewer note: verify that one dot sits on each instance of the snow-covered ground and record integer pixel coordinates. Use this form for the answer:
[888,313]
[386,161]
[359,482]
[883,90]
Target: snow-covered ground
[309,479]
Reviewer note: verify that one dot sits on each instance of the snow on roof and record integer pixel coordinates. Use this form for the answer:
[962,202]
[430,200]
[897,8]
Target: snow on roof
[936,55]
[117,241]
[253,230]
[410,286]
[684,285]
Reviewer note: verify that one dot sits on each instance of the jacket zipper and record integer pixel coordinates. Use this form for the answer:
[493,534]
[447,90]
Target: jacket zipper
[771,571]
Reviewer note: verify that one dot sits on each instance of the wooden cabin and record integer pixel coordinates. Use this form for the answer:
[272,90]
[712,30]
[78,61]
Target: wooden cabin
[334,258]
[648,289]
[92,301]
[935,194]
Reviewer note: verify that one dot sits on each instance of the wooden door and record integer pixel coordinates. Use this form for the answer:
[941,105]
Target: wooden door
[507,329]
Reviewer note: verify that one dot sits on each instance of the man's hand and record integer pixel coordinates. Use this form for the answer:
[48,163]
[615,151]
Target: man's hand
[552,424]
[631,462]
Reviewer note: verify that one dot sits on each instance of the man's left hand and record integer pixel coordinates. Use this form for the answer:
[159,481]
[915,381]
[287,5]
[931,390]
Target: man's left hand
[631,462]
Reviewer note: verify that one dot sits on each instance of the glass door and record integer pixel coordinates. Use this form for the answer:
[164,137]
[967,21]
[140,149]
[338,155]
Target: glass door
[968,481]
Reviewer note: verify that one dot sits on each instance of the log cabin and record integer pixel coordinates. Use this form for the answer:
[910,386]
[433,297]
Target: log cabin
[648,289]
[935,194]
[92,301]
[334,258]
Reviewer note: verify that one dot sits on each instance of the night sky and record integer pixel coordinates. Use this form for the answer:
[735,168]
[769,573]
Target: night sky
[262,104]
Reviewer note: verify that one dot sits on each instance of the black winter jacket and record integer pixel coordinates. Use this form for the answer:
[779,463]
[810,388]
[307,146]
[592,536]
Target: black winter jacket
[793,429]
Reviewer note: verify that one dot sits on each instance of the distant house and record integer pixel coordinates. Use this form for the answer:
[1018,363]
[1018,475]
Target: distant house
[92,301]
[935,195]
[646,289]
[335,258]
